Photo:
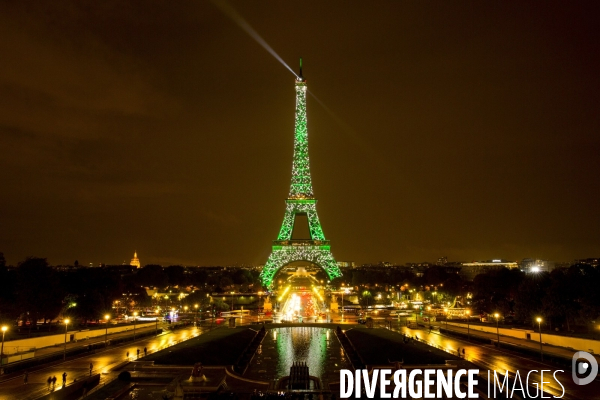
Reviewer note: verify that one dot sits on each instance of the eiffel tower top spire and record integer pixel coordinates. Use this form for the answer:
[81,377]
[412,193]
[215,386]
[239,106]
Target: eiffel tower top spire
[301,187]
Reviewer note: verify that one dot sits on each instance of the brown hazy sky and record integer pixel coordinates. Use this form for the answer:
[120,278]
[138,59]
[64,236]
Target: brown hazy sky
[465,129]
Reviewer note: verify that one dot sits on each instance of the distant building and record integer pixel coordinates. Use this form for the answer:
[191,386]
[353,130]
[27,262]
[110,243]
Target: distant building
[588,261]
[469,270]
[562,264]
[135,261]
[442,261]
[346,264]
[418,268]
[533,266]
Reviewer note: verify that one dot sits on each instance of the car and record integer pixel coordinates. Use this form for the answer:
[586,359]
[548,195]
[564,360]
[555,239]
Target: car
[362,321]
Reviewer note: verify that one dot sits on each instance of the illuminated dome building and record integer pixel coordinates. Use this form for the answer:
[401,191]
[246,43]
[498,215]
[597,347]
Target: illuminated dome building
[135,261]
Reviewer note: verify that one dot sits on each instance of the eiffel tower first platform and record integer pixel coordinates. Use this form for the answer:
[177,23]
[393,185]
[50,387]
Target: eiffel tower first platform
[301,201]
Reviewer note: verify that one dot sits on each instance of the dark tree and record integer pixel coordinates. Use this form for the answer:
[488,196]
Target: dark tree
[241,276]
[152,275]
[365,299]
[199,277]
[528,300]
[8,295]
[225,282]
[435,275]
[176,275]
[495,291]
[454,286]
[90,307]
[199,297]
[39,294]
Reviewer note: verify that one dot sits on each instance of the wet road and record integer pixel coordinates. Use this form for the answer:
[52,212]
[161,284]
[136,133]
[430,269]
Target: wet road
[487,357]
[102,361]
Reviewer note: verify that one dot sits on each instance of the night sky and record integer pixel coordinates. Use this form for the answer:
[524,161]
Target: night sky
[459,129]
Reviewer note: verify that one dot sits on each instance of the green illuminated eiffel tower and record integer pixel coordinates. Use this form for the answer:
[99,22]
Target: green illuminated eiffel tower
[301,201]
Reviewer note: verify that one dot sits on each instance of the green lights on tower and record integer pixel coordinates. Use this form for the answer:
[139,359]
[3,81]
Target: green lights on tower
[300,201]
[301,187]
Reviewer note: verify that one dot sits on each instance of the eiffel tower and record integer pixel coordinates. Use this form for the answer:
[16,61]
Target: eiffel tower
[301,201]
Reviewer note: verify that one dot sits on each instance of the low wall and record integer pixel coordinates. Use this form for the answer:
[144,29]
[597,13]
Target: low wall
[7,359]
[83,335]
[24,345]
[516,333]
[553,340]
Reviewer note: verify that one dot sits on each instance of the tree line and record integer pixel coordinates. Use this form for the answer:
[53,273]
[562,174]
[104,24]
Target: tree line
[566,298]
[34,291]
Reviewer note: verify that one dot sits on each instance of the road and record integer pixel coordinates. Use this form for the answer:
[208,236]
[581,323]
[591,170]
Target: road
[303,304]
[102,361]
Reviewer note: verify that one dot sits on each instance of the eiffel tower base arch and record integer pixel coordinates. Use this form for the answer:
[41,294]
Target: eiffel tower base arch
[286,254]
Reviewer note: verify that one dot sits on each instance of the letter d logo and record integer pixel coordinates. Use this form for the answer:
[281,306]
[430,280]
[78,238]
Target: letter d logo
[583,368]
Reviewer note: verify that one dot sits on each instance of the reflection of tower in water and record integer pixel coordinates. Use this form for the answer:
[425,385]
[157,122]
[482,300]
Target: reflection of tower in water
[301,340]
[302,344]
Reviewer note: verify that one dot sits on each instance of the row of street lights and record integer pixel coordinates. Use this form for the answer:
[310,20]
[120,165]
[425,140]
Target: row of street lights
[497,316]
[67,321]
[538,320]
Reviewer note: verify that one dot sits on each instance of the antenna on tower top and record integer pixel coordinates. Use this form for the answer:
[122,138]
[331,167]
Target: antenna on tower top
[300,76]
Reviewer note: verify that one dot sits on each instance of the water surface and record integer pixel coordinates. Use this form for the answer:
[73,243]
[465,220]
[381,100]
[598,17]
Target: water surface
[317,347]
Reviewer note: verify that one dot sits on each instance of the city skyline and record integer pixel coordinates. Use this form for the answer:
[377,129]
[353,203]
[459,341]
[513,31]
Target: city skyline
[435,130]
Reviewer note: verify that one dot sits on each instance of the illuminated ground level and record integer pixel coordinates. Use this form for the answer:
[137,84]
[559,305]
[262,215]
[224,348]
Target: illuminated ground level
[318,347]
[302,307]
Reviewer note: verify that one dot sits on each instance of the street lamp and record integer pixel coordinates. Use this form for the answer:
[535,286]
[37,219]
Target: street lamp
[539,321]
[468,312]
[134,318]
[497,329]
[65,350]
[106,317]
[260,294]
[196,307]
[345,291]
[4,328]
[366,296]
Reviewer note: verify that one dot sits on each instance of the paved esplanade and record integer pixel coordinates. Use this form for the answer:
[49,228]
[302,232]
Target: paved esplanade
[78,368]
[300,201]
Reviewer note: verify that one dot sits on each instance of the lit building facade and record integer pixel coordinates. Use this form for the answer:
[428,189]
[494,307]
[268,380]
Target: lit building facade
[469,270]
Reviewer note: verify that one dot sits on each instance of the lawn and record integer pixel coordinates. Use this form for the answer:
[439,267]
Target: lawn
[220,346]
[380,346]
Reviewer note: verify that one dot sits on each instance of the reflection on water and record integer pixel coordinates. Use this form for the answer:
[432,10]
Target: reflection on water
[307,345]
[317,347]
